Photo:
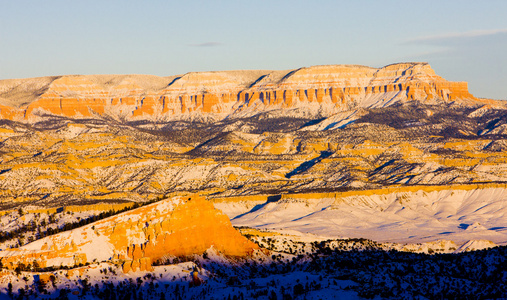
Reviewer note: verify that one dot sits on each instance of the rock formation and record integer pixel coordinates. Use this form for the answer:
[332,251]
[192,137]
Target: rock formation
[176,227]
[318,91]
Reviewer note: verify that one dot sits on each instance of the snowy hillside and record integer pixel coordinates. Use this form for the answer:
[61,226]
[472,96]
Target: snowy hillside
[404,217]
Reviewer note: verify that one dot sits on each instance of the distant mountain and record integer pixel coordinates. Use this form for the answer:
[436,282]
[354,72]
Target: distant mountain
[313,92]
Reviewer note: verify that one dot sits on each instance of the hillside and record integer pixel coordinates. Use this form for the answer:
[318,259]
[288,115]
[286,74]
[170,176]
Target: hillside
[107,179]
[176,227]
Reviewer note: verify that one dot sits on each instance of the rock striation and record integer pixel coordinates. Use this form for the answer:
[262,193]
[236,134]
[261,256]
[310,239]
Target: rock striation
[176,227]
[317,91]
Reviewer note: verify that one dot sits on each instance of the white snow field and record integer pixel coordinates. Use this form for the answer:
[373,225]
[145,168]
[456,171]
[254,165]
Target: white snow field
[419,216]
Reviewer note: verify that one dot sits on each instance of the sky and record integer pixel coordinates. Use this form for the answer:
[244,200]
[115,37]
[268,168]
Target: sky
[462,40]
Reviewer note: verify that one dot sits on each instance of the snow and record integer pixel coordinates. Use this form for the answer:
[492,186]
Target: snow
[72,131]
[339,120]
[475,245]
[179,276]
[13,221]
[284,266]
[335,275]
[404,217]
[382,99]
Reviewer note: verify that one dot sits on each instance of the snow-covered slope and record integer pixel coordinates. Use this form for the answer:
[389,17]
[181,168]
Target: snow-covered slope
[404,216]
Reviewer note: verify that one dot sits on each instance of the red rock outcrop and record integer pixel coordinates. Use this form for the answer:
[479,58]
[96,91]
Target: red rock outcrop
[322,90]
[175,227]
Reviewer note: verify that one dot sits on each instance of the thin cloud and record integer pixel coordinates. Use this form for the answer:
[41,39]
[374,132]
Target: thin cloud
[455,35]
[425,55]
[206,44]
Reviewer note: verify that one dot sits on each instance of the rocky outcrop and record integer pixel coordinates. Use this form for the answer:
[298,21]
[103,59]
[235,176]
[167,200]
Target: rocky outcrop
[176,227]
[306,92]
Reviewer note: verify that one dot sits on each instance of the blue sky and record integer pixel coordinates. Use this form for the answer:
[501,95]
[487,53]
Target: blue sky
[462,40]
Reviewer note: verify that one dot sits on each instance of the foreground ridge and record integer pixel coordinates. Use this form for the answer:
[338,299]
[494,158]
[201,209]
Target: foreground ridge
[176,227]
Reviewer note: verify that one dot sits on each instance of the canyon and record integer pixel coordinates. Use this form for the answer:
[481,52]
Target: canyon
[253,167]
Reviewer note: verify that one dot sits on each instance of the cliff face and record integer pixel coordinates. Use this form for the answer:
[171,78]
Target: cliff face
[312,132]
[308,92]
[181,226]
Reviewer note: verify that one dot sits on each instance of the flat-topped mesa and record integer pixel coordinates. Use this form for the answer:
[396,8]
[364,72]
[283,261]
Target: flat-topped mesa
[202,93]
[342,87]
[319,90]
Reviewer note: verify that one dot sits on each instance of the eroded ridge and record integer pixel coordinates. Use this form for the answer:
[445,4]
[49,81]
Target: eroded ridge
[207,96]
[176,227]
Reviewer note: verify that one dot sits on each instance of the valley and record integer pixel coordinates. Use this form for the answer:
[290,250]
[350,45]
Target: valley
[237,183]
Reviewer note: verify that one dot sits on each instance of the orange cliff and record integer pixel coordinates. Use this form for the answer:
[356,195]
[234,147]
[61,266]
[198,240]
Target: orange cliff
[215,95]
[175,227]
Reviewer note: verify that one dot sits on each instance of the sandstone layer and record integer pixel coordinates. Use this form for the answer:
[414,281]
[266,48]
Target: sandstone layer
[317,91]
[176,227]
